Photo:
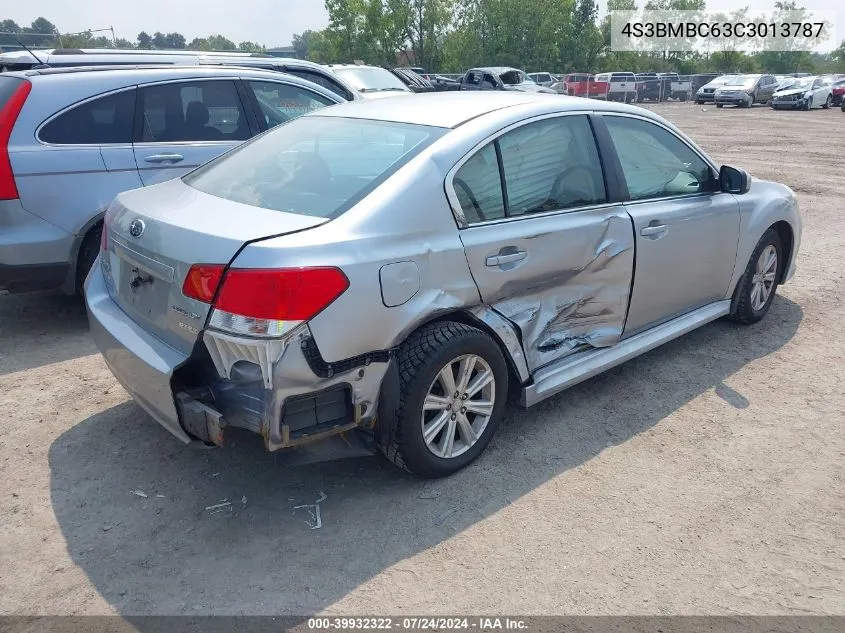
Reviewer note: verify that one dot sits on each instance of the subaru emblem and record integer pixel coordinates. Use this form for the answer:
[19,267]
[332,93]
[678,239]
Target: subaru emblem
[136,228]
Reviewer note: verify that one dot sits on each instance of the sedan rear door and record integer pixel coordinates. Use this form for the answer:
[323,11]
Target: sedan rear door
[545,247]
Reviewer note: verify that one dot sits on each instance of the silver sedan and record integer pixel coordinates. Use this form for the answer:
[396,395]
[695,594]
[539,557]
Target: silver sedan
[382,276]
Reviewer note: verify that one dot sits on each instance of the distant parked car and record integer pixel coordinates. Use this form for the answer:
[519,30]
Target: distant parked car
[648,87]
[707,92]
[577,84]
[371,82]
[806,93]
[500,78]
[746,90]
[289,288]
[443,83]
[542,79]
[837,90]
[699,80]
[71,139]
[415,81]
[618,86]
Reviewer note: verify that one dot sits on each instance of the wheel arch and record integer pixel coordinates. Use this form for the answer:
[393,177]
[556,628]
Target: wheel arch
[69,286]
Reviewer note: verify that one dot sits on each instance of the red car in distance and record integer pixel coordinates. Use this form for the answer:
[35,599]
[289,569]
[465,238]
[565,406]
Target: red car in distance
[837,91]
[577,84]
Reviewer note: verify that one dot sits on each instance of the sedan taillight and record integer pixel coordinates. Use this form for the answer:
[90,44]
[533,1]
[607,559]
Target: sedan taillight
[263,301]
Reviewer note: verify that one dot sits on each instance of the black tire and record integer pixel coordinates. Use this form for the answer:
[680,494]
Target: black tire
[744,312]
[842,107]
[808,105]
[719,105]
[828,102]
[420,359]
[88,252]
[699,103]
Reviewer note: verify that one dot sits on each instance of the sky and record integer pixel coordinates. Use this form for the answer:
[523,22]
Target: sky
[268,22]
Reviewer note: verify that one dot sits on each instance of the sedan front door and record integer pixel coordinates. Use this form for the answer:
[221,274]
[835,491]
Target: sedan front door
[545,247]
[686,230]
[181,125]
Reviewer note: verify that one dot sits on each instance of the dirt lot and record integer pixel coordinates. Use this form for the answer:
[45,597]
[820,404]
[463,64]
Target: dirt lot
[706,477]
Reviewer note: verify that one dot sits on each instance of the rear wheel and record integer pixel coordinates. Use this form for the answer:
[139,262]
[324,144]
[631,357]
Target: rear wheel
[758,285]
[453,386]
[88,252]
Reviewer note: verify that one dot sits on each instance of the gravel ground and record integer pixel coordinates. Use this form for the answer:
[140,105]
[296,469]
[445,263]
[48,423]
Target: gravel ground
[705,477]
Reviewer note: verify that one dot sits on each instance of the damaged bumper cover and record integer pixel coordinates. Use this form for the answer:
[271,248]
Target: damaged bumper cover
[281,389]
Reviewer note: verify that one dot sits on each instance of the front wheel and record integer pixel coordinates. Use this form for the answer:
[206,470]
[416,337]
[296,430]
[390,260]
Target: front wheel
[828,102]
[759,282]
[808,105]
[453,384]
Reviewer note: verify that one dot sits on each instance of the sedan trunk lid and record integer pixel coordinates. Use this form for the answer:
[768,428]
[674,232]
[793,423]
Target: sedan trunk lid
[154,235]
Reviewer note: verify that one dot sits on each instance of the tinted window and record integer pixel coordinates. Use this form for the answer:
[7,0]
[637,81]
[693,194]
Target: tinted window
[489,83]
[655,162]
[279,102]
[105,120]
[193,111]
[318,166]
[551,164]
[479,187]
[321,80]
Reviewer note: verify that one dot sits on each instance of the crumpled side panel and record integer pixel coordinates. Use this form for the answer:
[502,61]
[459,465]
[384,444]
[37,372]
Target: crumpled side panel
[571,291]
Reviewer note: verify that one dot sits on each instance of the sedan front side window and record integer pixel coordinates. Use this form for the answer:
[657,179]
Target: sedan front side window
[656,163]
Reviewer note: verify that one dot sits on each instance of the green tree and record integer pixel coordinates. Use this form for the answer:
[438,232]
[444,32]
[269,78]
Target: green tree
[199,44]
[43,26]
[159,40]
[174,41]
[144,40]
[219,43]
[123,43]
[250,47]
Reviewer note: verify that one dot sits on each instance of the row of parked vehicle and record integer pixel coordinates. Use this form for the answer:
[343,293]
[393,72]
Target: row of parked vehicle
[384,274]
[799,90]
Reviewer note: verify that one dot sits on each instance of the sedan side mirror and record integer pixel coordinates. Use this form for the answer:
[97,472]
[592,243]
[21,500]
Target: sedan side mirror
[733,180]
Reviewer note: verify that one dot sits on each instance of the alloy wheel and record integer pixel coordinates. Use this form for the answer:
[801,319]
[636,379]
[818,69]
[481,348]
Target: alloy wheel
[458,406]
[763,281]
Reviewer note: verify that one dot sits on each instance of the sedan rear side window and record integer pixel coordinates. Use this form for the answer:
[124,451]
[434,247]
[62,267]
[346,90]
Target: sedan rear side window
[314,165]
[548,165]
[102,121]
[655,162]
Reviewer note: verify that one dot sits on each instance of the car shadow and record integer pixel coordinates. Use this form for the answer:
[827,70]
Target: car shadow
[162,529]
[40,328]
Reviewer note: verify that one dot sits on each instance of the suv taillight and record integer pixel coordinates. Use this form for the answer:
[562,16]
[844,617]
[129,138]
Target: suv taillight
[8,115]
[263,302]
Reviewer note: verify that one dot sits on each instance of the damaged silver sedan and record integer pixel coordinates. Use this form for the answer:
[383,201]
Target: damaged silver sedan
[387,275]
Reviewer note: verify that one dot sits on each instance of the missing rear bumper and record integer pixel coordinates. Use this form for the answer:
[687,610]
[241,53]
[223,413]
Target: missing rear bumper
[283,390]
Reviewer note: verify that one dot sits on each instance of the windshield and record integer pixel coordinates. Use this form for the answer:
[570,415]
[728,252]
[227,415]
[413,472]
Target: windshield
[720,81]
[370,79]
[741,80]
[317,166]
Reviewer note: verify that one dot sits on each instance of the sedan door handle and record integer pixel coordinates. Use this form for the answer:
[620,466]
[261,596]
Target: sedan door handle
[498,260]
[654,231]
[164,158]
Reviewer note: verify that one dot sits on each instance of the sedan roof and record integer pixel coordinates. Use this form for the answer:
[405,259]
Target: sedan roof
[451,109]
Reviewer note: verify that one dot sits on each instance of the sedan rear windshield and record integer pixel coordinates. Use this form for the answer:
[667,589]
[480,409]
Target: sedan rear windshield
[317,166]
